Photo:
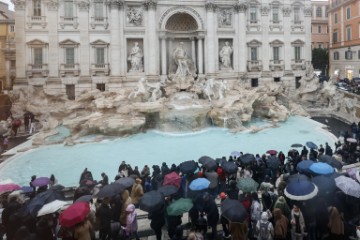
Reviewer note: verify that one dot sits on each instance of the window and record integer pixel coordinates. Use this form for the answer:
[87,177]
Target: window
[320,46]
[348,54]
[327,11]
[275,14]
[336,55]
[358,54]
[277,79]
[319,29]
[70,91]
[100,55]
[253,18]
[253,52]
[98,10]
[318,12]
[38,57]
[335,18]
[254,82]
[12,28]
[276,54]
[70,56]
[348,13]
[37,8]
[297,53]
[101,87]
[348,33]
[335,37]
[297,15]
[297,82]
[69,9]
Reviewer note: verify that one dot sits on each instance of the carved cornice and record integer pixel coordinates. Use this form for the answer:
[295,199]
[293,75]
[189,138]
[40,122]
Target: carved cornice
[286,11]
[52,5]
[19,4]
[308,12]
[240,7]
[83,5]
[148,4]
[210,6]
[265,10]
[115,4]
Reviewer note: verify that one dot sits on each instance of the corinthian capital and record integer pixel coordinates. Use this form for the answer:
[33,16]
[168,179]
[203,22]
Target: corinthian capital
[52,5]
[148,4]
[115,4]
[210,6]
[240,7]
[19,4]
[83,5]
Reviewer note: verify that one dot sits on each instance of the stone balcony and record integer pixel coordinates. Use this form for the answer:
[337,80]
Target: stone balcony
[275,25]
[100,68]
[36,20]
[277,65]
[99,21]
[297,25]
[68,21]
[254,65]
[72,69]
[41,70]
[298,64]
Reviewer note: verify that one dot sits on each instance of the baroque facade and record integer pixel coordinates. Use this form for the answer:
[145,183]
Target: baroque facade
[72,45]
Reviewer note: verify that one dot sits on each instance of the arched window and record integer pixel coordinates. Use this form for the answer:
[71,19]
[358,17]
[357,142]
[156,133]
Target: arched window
[318,12]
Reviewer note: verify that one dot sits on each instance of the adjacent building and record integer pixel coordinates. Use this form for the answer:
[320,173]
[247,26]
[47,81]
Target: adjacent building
[7,46]
[344,26]
[73,45]
[319,24]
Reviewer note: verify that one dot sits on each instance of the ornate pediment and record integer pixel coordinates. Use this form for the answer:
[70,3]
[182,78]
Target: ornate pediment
[68,43]
[253,2]
[37,43]
[99,42]
[254,43]
[298,42]
[276,43]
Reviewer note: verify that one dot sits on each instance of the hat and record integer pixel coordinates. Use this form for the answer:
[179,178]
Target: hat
[222,195]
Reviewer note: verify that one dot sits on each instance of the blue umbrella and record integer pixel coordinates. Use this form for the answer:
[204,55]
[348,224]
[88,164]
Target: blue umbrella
[325,184]
[321,168]
[235,154]
[247,158]
[27,189]
[304,165]
[199,184]
[311,145]
[300,190]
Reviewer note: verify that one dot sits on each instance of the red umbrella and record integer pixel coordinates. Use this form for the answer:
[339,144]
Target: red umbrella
[272,152]
[74,214]
[172,179]
[9,187]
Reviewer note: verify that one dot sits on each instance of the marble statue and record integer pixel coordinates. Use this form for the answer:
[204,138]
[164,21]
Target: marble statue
[225,56]
[134,17]
[215,89]
[181,59]
[141,89]
[135,58]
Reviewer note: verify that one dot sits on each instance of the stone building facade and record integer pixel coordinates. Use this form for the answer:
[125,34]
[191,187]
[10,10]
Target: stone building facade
[344,26]
[319,24]
[72,45]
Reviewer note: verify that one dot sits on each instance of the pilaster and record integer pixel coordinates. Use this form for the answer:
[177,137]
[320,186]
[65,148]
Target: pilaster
[288,51]
[242,56]
[211,54]
[265,35]
[83,6]
[52,23]
[307,21]
[200,55]
[20,39]
[152,39]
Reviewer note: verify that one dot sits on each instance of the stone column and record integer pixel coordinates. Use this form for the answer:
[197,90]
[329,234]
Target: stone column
[163,57]
[211,54]
[193,49]
[122,53]
[241,37]
[152,40]
[52,23]
[7,84]
[200,57]
[236,40]
[288,51]
[20,39]
[83,7]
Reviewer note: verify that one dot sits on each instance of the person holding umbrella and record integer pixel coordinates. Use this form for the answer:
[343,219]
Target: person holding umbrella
[131,222]
[157,221]
[297,223]
[83,231]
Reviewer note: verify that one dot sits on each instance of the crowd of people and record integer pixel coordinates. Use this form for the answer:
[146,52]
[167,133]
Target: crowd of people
[270,214]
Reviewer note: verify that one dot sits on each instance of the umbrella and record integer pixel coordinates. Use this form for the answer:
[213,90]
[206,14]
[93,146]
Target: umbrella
[110,190]
[298,177]
[230,167]
[74,214]
[311,145]
[208,163]
[271,152]
[27,189]
[304,166]
[296,145]
[235,154]
[41,181]
[152,201]
[199,184]
[300,190]
[351,140]
[331,161]
[188,167]
[168,190]
[325,184]
[321,168]
[247,185]
[172,179]
[220,161]
[348,185]
[180,206]
[247,158]
[273,162]
[9,187]
[51,207]
[126,182]
[85,198]
[205,159]
[357,175]
[233,210]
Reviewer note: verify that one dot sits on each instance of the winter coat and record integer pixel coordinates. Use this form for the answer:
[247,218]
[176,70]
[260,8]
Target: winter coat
[82,232]
[281,224]
[126,200]
[137,191]
[131,221]
[336,223]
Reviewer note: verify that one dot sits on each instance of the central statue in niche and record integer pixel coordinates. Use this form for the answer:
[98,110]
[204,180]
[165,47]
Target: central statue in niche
[182,72]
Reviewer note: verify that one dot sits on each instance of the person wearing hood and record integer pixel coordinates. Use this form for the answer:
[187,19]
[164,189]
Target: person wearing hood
[281,225]
[336,223]
[264,228]
[131,226]
[126,201]
[283,206]
[297,223]
[255,213]
[137,192]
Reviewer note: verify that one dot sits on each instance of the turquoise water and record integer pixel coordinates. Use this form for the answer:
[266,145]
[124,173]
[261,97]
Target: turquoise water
[153,147]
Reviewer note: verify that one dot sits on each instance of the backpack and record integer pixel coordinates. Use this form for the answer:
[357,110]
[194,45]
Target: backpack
[263,231]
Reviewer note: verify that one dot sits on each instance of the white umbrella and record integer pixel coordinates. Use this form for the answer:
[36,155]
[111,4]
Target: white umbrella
[358,176]
[351,140]
[51,207]
[348,185]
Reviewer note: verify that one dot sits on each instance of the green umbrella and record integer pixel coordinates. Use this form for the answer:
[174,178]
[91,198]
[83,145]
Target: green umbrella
[180,206]
[247,185]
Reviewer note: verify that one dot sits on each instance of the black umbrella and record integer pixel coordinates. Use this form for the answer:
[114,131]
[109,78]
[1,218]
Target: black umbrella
[188,166]
[325,184]
[110,190]
[247,158]
[220,161]
[311,145]
[233,210]
[85,198]
[273,162]
[205,159]
[126,182]
[230,167]
[296,145]
[152,201]
[208,162]
[331,161]
[297,177]
[168,190]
